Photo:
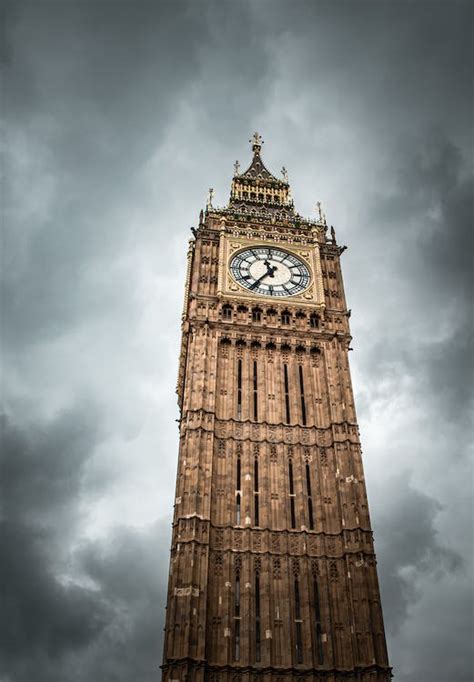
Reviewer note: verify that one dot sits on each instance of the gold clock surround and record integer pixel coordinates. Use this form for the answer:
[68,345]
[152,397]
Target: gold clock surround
[229,246]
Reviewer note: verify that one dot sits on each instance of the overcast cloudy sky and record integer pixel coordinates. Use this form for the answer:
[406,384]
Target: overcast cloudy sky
[117,117]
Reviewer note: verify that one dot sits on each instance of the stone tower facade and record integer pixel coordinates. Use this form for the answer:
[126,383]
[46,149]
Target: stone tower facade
[273,574]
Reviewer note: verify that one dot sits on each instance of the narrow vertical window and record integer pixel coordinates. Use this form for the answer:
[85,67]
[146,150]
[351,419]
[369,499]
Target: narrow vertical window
[317,607]
[239,388]
[298,624]
[287,393]
[317,619]
[297,601]
[256,493]
[310,499]
[319,644]
[292,511]
[238,488]
[258,638]
[303,404]
[255,391]
[308,480]
[237,596]
[292,494]
[310,514]
[290,477]
[237,618]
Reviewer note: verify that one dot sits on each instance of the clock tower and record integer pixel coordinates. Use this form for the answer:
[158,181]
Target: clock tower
[273,573]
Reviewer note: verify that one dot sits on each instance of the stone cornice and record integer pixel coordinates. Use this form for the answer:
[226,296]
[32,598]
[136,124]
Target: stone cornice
[236,330]
[300,671]
[253,428]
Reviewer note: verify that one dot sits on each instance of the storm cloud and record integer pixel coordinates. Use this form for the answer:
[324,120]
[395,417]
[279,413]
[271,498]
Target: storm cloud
[117,117]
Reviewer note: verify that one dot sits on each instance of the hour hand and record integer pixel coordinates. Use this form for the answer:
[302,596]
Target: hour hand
[270,268]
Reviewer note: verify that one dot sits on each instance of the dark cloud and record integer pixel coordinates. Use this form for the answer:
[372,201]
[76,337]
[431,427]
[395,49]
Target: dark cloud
[42,465]
[429,212]
[66,596]
[409,548]
[41,617]
[419,366]
[106,628]
[118,117]
[44,612]
[131,569]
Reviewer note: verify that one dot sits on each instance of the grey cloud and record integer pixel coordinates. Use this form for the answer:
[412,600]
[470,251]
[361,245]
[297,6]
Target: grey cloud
[94,117]
[62,602]
[430,208]
[131,568]
[107,631]
[409,548]
[42,465]
[42,617]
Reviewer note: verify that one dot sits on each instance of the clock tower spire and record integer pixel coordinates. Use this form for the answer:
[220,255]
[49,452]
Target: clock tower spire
[273,573]
[257,188]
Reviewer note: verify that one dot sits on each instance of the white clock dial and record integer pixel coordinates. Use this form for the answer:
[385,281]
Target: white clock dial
[269,271]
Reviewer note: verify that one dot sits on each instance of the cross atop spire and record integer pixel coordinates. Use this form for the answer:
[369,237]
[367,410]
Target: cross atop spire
[256,142]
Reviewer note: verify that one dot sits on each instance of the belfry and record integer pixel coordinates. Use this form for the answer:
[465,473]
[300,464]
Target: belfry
[273,573]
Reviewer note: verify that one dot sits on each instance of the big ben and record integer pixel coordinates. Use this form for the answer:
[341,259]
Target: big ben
[272,572]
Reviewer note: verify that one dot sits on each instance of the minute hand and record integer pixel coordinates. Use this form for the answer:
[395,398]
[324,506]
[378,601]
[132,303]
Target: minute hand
[257,281]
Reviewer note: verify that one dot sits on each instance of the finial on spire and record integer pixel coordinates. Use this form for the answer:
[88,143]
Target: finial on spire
[333,234]
[210,197]
[320,210]
[236,168]
[256,141]
[284,172]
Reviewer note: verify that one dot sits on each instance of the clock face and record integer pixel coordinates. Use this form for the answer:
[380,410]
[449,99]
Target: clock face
[270,272]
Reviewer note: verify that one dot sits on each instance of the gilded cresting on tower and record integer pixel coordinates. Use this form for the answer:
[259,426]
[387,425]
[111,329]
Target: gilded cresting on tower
[273,573]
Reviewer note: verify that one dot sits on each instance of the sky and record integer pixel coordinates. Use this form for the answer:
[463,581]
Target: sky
[117,117]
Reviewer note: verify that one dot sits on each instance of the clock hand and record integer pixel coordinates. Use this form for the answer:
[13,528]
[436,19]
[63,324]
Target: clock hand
[270,268]
[257,281]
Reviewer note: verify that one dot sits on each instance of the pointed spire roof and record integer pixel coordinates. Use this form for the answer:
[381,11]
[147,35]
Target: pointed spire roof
[257,168]
[258,186]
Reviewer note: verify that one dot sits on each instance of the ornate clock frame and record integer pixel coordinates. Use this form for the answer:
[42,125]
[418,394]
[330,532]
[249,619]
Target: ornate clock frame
[227,287]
